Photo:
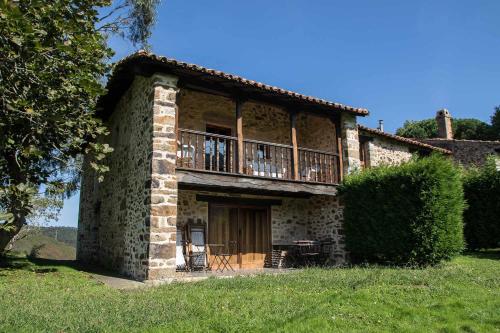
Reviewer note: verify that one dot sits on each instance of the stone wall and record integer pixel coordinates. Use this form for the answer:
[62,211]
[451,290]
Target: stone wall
[163,203]
[319,217]
[382,151]
[127,222]
[350,143]
[468,152]
[261,121]
[316,132]
[113,229]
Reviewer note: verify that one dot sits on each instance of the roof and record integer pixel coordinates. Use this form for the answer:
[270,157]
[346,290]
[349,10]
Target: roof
[144,63]
[402,139]
[460,140]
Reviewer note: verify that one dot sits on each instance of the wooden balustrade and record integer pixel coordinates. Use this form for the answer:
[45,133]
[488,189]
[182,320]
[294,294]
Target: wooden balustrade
[318,166]
[206,151]
[266,159]
[219,153]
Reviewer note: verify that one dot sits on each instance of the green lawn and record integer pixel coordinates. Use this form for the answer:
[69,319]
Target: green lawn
[460,296]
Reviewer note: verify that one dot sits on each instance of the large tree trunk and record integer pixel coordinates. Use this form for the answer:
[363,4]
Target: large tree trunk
[7,235]
[16,205]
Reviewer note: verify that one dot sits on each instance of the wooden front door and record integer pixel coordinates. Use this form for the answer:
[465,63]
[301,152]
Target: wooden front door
[248,228]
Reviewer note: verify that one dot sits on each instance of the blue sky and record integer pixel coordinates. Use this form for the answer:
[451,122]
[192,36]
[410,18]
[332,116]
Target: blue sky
[399,59]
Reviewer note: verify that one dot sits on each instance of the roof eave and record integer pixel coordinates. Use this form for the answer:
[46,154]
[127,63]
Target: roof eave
[147,64]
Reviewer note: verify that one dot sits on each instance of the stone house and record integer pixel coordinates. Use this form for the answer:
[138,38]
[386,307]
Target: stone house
[249,164]
[466,152]
[381,148]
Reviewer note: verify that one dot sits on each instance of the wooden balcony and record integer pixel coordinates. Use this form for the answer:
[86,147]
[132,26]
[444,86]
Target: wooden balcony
[214,153]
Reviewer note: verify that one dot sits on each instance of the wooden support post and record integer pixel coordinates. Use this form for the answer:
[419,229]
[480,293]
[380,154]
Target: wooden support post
[338,135]
[295,150]
[239,134]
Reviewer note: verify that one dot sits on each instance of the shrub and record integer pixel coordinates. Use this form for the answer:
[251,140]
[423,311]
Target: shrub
[482,216]
[407,214]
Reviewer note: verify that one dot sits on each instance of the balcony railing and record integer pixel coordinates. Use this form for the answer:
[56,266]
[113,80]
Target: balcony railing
[218,153]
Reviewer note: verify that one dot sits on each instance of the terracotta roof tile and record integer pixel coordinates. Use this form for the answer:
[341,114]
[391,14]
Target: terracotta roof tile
[402,139]
[159,60]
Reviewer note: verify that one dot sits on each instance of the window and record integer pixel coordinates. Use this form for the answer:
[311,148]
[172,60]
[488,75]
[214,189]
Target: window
[364,151]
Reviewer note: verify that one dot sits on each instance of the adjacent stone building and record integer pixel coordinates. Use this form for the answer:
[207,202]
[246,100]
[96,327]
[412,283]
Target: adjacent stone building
[203,158]
[380,148]
[466,152]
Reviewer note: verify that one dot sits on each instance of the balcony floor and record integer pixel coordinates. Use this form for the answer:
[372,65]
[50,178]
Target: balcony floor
[225,182]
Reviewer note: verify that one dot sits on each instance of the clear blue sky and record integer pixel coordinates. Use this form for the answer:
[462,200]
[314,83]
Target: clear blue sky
[399,59]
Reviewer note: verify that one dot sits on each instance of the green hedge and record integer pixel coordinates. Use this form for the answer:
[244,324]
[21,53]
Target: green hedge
[406,215]
[482,216]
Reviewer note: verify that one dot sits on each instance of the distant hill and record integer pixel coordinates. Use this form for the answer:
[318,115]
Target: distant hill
[41,242]
[62,234]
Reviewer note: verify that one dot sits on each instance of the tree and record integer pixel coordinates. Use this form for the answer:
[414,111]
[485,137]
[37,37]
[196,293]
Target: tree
[470,129]
[421,129]
[53,58]
[463,129]
[495,124]
[132,19]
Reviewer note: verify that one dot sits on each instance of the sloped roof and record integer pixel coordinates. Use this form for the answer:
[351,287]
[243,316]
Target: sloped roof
[143,62]
[402,139]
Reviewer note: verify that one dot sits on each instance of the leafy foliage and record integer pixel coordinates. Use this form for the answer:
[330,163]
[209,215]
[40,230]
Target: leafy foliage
[408,214]
[463,129]
[495,123]
[132,19]
[482,215]
[421,129]
[52,60]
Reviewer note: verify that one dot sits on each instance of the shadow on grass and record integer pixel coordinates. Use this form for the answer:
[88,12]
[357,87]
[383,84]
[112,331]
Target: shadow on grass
[44,266]
[11,262]
[492,254]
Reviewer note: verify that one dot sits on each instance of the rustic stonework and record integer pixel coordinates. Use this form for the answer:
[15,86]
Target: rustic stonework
[350,143]
[261,121]
[113,228]
[129,222]
[163,203]
[318,217]
[468,152]
[316,132]
[382,151]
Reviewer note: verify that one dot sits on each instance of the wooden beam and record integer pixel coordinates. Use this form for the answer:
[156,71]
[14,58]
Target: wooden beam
[238,200]
[295,149]
[228,183]
[239,134]
[338,134]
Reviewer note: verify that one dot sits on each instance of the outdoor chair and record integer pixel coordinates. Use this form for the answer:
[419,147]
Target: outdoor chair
[222,255]
[308,252]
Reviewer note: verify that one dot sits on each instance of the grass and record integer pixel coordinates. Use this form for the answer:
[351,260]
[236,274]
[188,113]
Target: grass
[460,296]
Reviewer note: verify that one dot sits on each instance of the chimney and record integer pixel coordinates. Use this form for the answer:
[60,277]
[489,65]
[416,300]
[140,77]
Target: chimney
[381,125]
[443,119]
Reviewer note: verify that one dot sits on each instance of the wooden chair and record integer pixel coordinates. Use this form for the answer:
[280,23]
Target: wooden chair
[196,255]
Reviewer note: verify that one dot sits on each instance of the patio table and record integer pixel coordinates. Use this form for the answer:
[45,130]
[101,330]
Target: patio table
[308,252]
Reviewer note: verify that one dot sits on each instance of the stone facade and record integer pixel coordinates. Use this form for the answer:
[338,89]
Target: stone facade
[382,151]
[468,152]
[113,227]
[163,202]
[129,222]
[261,121]
[318,217]
[350,143]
